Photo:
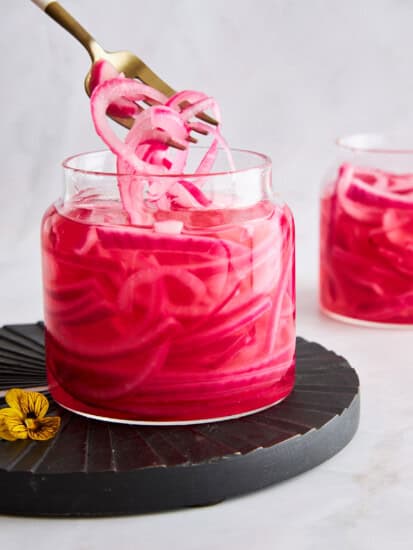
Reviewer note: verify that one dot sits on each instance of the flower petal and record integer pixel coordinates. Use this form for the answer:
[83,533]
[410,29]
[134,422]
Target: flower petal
[46,429]
[13,424]
[28,402]
[11,413]
[4,431]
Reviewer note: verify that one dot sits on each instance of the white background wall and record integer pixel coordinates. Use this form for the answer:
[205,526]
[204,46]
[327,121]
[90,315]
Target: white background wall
[290,75]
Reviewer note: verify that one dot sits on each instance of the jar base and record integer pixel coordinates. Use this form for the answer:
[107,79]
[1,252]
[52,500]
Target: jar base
[171,422]
[363,323]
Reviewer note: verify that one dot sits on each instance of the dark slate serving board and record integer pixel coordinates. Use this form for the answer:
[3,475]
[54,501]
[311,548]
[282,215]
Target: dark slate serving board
[94,468]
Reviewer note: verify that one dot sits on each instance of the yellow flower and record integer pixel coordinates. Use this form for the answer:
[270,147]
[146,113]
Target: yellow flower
[26,417]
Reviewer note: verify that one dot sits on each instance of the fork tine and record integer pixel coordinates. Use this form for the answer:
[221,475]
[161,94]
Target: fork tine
[206,118]
[150,78]
[147,76]
[128,123]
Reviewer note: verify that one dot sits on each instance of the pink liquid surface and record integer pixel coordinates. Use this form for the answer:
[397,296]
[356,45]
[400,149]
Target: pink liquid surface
[366,247]
[161,328]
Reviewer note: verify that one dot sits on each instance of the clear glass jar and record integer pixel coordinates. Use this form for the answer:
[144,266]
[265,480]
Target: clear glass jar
[366,232]
[178,316]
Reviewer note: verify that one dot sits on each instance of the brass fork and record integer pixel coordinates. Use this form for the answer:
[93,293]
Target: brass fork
[123,61]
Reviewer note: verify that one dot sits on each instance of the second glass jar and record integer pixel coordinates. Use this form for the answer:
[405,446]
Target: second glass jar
[366,232]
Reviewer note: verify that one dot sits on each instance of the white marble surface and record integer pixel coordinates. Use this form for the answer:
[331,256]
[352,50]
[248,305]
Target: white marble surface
[290,75]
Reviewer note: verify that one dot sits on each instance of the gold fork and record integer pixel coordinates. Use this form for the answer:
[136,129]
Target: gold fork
[123,61]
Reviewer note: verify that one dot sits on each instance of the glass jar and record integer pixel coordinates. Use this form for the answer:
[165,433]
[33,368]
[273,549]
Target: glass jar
[366,232]
[179,315]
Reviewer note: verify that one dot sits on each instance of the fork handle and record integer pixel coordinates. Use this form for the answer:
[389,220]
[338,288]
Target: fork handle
[69,23]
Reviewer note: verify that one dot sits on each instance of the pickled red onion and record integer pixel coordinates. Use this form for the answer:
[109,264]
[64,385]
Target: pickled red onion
[367,245]
[145,152]
[108,93]
[103,70]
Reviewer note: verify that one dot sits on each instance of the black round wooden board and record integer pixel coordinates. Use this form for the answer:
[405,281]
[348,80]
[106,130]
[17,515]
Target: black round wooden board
[94,468]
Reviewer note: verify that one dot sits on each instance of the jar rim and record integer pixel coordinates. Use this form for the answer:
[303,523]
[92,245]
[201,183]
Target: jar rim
[378,143]
[263,162]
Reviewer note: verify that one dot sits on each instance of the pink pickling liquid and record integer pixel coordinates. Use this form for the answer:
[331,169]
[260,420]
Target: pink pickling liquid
[147,326]
[366,246]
